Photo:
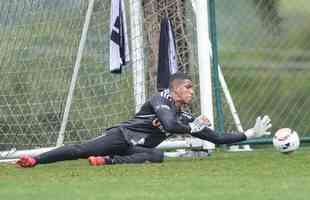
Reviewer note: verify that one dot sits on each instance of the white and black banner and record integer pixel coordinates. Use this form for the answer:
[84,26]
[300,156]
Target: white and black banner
[119,49]
[167,60]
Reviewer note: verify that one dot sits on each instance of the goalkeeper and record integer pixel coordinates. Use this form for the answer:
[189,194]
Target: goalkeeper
[134,141]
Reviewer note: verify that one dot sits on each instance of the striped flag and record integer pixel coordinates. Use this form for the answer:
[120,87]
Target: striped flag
[119,50]
[167,61]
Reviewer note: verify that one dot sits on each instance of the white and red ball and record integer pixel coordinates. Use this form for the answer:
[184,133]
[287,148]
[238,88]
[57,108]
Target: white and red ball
[286,140]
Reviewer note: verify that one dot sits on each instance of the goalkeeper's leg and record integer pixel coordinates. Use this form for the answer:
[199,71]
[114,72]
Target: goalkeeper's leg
[134,154]
[138,154]
[110,144]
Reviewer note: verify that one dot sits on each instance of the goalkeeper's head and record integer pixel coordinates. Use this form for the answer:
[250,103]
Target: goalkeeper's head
[181,88]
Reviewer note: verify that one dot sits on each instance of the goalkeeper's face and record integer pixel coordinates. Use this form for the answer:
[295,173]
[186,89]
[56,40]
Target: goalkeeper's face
[184,91]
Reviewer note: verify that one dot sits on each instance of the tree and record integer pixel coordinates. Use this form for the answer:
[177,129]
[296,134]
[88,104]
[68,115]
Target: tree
[268,11]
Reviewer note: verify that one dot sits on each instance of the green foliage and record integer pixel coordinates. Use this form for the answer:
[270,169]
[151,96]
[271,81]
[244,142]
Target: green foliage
[266,73]
[39,44]
[268,11]
[283,98]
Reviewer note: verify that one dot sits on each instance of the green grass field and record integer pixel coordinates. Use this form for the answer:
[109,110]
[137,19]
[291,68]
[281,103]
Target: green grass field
[262,174]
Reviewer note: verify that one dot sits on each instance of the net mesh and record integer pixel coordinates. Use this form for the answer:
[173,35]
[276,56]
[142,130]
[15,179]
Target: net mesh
[263,49]
[39,44]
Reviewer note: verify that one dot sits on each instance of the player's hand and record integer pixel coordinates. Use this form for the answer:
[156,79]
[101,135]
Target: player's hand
[199,124]
[260,128]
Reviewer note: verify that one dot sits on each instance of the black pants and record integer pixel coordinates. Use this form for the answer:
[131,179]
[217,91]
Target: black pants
[113,144]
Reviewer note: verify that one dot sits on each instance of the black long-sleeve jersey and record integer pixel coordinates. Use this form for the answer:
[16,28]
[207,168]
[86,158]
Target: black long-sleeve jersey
[159,118]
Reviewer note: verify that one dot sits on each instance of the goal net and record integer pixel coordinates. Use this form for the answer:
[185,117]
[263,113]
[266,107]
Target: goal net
[262,46]
[39,47]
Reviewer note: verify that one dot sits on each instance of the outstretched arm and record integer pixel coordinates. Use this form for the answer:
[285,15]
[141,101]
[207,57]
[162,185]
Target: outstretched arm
[211,136]
[260,129]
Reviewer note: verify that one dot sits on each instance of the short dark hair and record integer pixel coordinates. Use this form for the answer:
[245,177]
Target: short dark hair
[179,76]
[176,78]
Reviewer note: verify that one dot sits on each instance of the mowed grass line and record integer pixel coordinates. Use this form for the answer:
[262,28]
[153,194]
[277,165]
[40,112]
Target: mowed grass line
[261,175]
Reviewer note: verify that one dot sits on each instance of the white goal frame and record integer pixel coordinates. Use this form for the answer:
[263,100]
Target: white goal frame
[204,62]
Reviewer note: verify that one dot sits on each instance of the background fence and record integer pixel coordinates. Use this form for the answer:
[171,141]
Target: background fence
[39,44]
[263,49]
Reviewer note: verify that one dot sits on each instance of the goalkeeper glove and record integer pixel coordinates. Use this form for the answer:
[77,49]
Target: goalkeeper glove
[260,128]
[199,124]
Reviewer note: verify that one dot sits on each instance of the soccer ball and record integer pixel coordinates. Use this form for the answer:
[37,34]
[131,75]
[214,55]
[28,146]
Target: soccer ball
[286,140]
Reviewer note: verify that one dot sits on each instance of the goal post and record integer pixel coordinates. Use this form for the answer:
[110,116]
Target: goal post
[204,59]
[61,136]
[41,43]
[137,54]
[41,52]
[55,84]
